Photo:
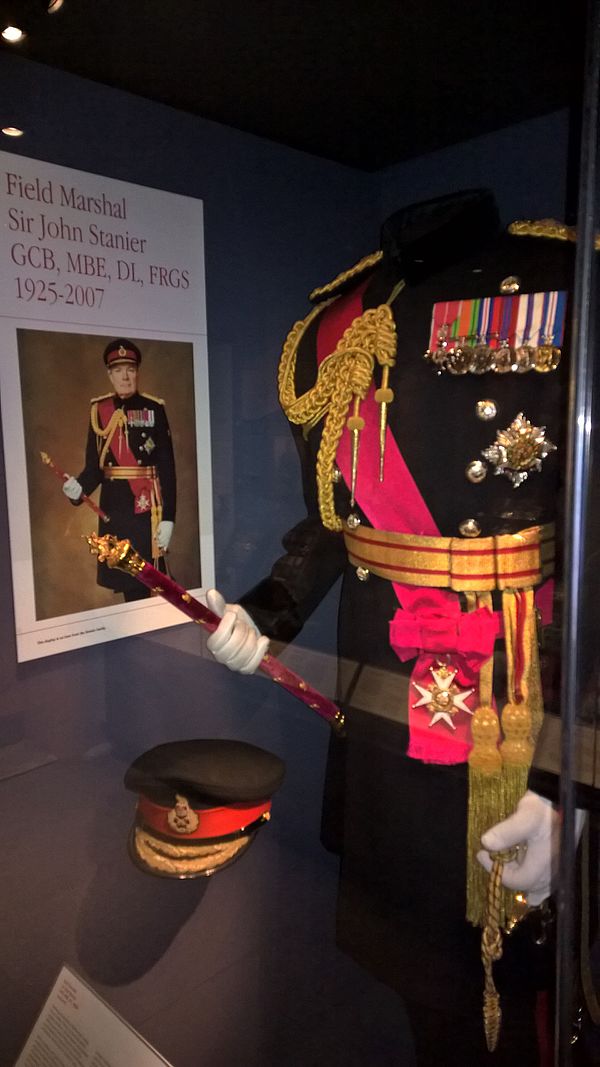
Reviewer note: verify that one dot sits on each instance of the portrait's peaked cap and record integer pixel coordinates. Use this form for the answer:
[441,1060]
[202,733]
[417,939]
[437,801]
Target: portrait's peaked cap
[122,351]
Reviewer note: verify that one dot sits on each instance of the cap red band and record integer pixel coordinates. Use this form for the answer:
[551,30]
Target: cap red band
[212,822]
[122,355]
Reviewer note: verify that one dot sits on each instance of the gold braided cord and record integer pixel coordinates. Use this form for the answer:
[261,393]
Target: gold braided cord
[491,950]
[117,420]
[345,373]
[551,228]
[363,264]
[181,860]
[317,398]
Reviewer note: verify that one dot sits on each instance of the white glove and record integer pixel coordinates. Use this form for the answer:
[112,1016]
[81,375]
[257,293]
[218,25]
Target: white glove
[72,489]
[237,642]
[536,825]
[164,534]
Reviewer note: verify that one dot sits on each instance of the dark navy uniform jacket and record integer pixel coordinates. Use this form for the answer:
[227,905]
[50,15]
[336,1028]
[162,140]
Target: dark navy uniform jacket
[400,824]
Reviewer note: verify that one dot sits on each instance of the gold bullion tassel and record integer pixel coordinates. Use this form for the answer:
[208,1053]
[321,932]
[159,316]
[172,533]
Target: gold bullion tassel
[383,397]
[355,424]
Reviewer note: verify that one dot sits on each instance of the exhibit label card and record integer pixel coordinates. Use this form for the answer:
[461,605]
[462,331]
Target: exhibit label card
[77,1029]
[86,261]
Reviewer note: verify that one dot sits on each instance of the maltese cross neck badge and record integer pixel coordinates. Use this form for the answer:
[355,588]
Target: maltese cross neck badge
[443,699]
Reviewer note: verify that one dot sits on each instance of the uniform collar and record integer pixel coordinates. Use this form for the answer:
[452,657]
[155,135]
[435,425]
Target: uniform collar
[423,238]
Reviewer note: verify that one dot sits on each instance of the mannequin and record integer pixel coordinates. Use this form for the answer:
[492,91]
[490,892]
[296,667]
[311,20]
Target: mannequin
[446,457]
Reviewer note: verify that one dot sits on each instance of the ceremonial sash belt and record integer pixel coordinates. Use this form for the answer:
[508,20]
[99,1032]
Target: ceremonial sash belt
[126,473]
[481,564]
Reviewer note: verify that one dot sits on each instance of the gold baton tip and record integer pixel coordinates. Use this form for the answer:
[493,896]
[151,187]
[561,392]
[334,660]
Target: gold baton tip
[45,458]
[116,553]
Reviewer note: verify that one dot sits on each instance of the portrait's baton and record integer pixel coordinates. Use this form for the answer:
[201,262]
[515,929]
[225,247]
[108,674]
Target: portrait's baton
[120,554]
[45,458]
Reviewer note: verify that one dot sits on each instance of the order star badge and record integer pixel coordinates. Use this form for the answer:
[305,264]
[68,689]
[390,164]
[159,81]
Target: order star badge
[443,699]
[519,449]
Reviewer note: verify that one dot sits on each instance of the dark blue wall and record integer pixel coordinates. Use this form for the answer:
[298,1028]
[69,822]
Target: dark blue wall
[525,165]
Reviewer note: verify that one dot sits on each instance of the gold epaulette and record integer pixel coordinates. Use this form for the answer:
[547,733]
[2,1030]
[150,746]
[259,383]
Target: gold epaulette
[551,228]
[97,399]
[156,399]
[361,267]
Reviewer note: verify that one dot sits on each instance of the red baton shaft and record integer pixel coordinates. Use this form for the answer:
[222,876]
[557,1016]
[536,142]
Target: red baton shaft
[120,554]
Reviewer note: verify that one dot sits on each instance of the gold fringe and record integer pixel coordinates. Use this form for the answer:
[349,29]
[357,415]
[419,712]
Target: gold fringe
[485,803]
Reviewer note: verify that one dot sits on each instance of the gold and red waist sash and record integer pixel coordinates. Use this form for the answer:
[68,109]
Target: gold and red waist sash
[126,473]
[482,564]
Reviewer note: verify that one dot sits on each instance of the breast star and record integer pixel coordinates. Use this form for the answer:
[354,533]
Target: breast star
[443,699]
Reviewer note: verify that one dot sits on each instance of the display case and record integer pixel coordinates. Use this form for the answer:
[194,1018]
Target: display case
[395,482]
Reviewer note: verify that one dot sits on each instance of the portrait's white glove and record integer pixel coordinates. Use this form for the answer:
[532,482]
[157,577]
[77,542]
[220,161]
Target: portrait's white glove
[536,825]
[164,534]
[72,489]
[237,642]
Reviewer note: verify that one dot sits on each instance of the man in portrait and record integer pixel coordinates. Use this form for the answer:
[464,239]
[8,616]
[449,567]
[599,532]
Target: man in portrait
[129,453]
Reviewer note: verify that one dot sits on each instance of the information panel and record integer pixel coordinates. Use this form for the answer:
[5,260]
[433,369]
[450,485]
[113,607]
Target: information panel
[87,263]
[77,1029]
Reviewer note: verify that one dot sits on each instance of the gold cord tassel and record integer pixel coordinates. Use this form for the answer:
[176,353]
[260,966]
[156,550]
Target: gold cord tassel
[383,397]
[355,424]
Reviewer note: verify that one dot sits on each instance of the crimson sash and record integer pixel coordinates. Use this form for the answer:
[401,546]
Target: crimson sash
[397,505]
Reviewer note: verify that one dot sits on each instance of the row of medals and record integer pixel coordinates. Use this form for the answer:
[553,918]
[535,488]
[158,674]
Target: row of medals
[461,356]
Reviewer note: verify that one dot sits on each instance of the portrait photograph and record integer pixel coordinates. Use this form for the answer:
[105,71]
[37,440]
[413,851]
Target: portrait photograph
[109,427]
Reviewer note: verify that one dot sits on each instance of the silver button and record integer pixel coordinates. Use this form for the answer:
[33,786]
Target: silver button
[486,409]
[512,284]
[362,573]
[139,462]
[476,471]
[336,475]
[469,528]
[352,521]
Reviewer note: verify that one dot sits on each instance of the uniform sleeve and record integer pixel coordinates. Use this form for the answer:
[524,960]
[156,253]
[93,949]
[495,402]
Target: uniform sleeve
[91,475]
[314,558]
[164,461]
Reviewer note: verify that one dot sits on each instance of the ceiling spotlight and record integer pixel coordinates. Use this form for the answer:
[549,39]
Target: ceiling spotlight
[12,131]
[12,34]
